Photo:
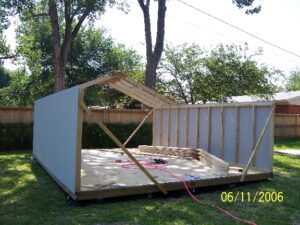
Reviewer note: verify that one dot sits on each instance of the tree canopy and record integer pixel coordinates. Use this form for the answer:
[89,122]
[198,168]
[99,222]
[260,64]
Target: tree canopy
[248,5]
[93,54]
[59,50]
[65,18]
[196,74]
[4,48]
[4,77]
[293,83]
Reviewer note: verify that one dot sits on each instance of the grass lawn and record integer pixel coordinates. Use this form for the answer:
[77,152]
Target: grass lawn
[29,196]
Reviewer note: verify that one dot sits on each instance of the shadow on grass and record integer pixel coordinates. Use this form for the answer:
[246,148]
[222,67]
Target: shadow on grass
[287,144]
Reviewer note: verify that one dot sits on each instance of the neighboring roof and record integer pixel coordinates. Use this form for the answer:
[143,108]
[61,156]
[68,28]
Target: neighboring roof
[281,97]
[129,87]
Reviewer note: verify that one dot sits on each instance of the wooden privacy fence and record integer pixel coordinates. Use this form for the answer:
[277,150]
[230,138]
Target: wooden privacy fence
[16,114]
[124,116]
[287,126]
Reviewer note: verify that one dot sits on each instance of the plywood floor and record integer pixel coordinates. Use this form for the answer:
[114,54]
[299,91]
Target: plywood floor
[100,171]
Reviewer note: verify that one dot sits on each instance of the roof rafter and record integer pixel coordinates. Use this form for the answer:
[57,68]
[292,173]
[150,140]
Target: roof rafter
[133,89]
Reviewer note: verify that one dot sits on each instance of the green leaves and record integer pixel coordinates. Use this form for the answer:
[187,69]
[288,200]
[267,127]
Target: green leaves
[182,63]
[4,77]
[216,75]
[248,4]
[293,83]
[93,54]
[5,51]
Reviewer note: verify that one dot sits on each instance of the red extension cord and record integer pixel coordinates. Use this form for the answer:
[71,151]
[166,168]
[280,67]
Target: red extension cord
[162,167]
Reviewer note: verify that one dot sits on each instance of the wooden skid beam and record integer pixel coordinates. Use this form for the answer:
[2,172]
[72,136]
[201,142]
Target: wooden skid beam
[257,145]
[138,127]
[120,145]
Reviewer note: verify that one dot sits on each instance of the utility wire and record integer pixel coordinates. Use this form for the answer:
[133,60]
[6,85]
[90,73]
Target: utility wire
[217,33]
[239,29]
[232,39]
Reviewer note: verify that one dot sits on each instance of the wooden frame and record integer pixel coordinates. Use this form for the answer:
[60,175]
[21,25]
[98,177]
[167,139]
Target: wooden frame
[127,191]
[165,107]
[212,160]
[257,146]
[222,133]
[120,145]
[237,137]
[79,141]
[133,89]
[217,105]
[196,153]
[228,118]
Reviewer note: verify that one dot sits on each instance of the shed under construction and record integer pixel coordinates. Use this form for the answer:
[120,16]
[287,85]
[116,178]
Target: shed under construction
[202,145]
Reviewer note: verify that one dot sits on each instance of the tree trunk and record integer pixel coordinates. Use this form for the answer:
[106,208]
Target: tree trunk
[58,75]
[150,74]
[153,56]
[61,50]
[59,78]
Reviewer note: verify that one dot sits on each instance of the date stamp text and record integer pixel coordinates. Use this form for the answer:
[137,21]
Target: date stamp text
[254,197]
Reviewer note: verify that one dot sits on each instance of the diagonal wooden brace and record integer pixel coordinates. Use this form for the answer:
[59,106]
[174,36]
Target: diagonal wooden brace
[257,146]
[120,145]
[138,127]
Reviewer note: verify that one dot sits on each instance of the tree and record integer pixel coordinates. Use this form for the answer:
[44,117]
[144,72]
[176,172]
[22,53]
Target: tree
[92,54]
[4,77]
[4,48]
[66,19]
[248,4]
[18,92]
[293,83]
[215,75]
[154,52]
[182,63]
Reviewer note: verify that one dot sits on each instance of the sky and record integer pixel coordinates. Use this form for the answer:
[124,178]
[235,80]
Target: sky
[276,23]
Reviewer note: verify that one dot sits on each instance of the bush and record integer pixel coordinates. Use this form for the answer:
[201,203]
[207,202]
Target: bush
[15,136]
[19,136]
[94,137]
